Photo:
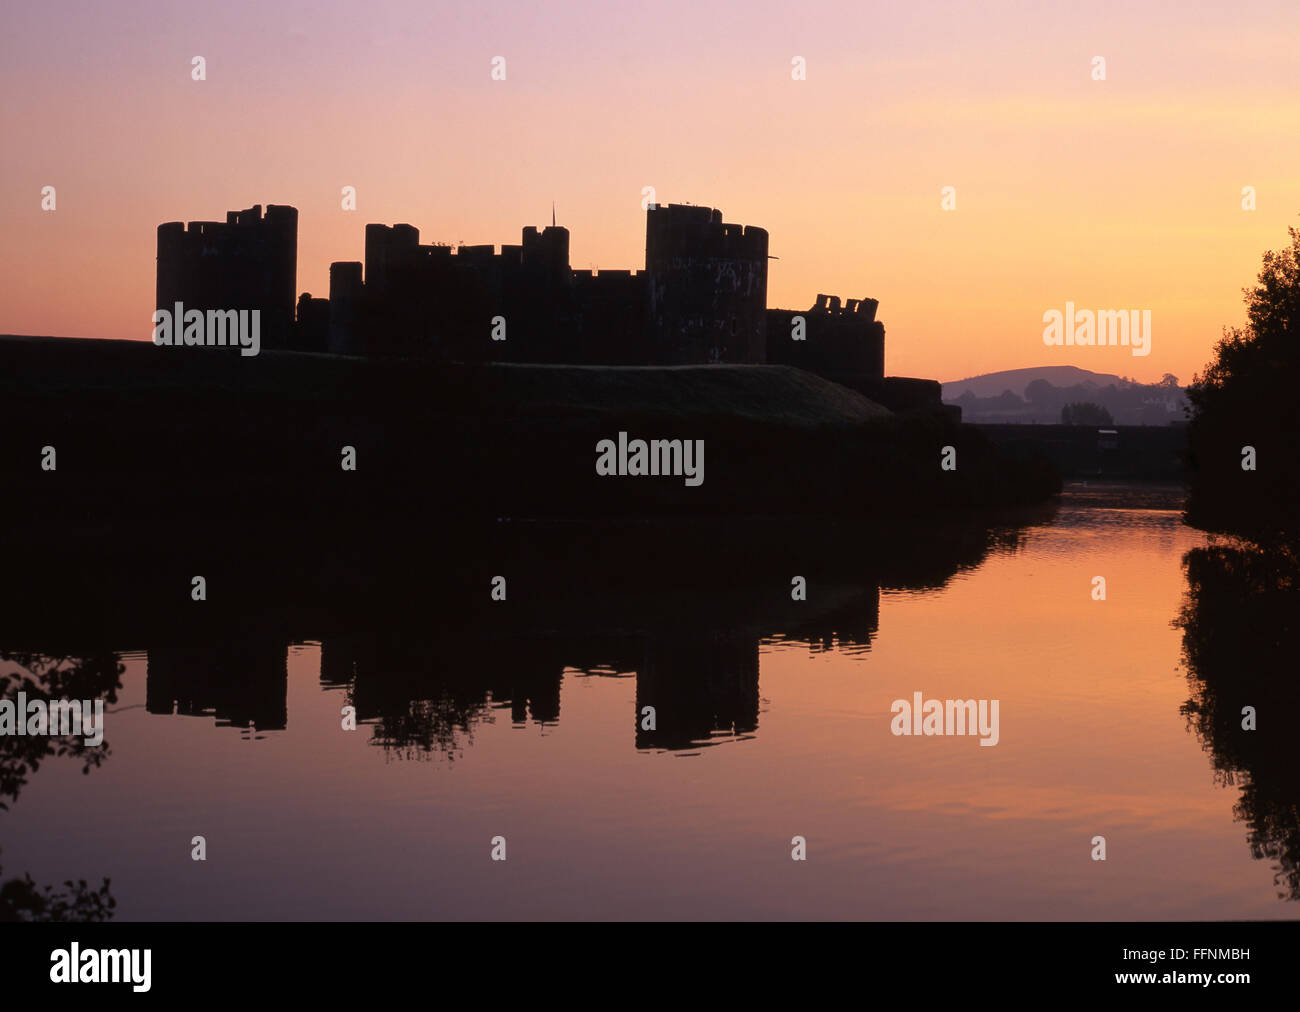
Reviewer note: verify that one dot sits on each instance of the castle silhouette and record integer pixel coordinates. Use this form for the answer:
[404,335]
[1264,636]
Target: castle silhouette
[701,298]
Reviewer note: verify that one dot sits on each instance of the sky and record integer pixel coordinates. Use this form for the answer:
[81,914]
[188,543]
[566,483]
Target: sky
[1122,193]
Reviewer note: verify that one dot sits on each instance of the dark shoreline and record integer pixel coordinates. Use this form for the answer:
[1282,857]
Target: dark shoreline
[208,432]
[175,464]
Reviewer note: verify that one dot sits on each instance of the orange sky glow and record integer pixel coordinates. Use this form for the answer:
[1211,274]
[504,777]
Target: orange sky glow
[1123,193]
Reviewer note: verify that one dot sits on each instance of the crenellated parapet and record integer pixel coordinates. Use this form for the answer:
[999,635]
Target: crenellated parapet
[708,286]
[832,339]
[247,262]
[701,297]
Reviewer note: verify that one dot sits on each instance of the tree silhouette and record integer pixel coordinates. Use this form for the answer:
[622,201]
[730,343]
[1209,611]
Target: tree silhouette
[1085,413]
[41,676]
[1241,631]
[1039,391]
[21,899]
[1246,401]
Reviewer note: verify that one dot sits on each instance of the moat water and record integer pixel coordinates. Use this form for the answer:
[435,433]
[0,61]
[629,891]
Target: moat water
[541,742]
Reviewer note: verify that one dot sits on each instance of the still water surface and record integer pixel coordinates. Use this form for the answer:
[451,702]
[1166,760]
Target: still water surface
[603,820]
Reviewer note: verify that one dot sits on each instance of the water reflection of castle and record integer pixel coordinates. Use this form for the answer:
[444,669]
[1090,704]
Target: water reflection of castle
[240,683]
[685,607]
[426,694]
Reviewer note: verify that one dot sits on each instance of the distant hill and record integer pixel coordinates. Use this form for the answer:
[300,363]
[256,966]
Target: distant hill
[1038,396]
[991,384]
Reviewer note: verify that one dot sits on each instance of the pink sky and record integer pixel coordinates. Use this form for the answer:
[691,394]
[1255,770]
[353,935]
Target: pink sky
[1119,194]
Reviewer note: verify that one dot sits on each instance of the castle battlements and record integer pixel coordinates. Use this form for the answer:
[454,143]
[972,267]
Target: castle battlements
[701,296]
[249,261]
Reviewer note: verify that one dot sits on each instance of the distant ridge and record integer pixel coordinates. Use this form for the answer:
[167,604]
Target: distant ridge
[1046,394]
[990,384]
